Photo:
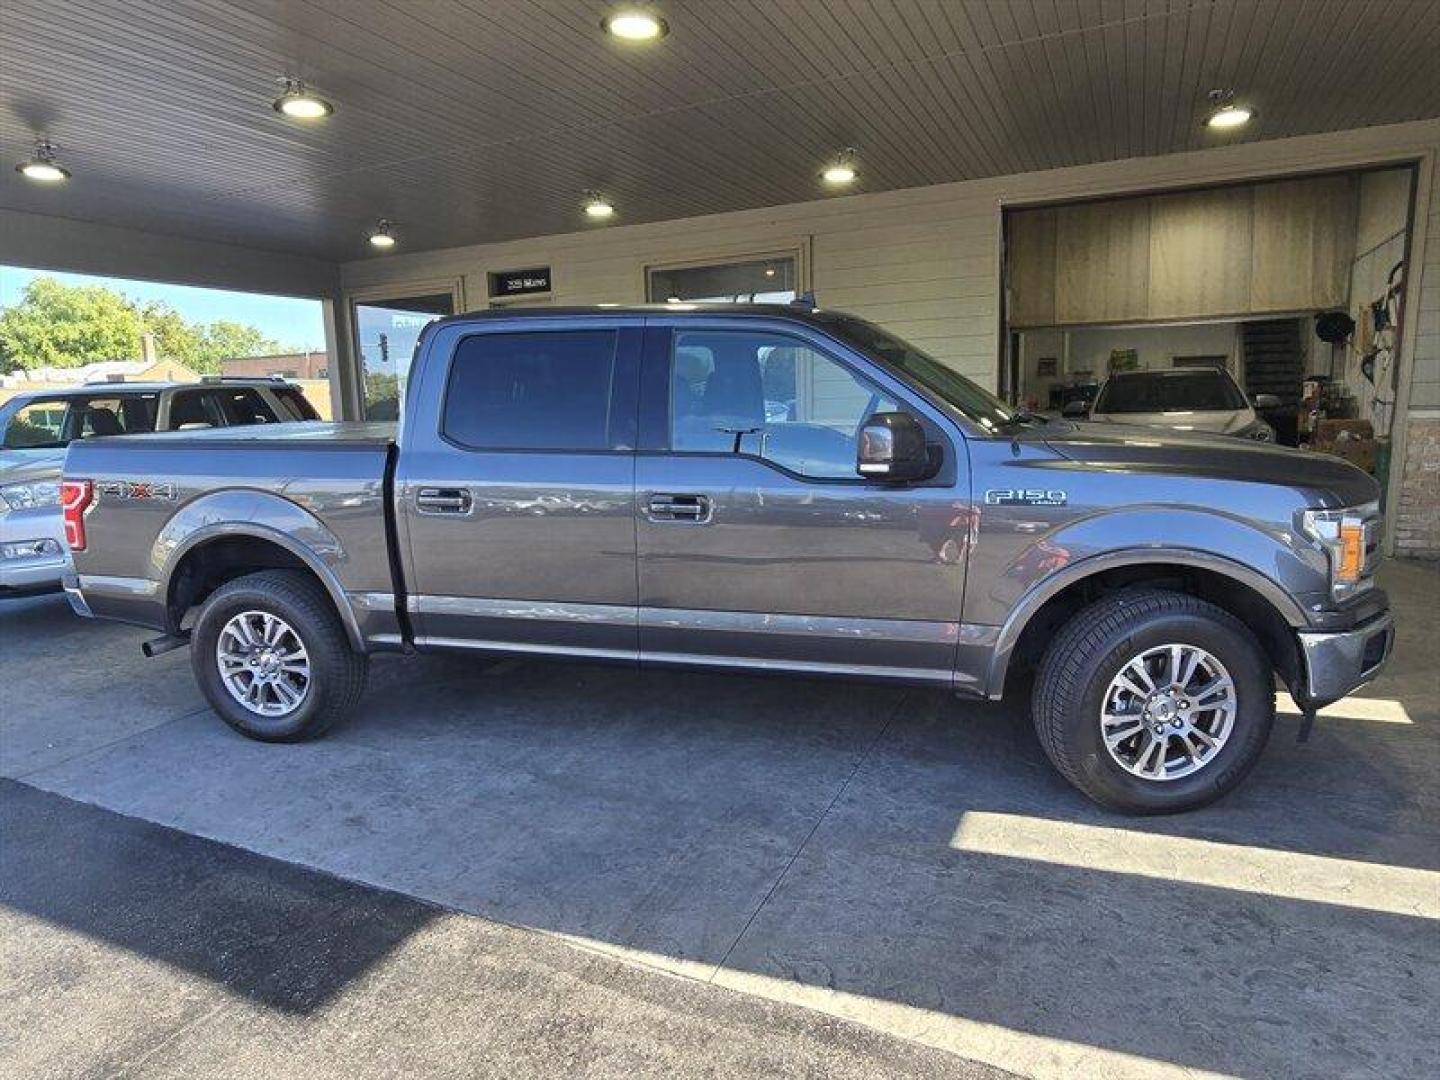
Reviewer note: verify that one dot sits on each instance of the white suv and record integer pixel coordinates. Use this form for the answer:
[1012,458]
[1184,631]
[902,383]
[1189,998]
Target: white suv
[1183,399]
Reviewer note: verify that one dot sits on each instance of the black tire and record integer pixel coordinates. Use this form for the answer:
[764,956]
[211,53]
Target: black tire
[337,671]
[1090,651]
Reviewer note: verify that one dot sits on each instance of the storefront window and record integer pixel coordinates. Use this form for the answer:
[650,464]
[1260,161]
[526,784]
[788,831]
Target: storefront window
[385,334]
[751,280]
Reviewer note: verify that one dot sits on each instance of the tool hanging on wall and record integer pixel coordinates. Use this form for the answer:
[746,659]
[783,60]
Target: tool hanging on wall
[1378,363]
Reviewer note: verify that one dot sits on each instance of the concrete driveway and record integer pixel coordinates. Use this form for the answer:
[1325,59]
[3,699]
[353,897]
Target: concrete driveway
[890,857]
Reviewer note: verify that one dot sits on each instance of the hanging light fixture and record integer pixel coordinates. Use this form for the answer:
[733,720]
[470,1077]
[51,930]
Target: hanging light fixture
[841,171]
[299,102]
[1225,112]
[597,206]
[42,167]
[383,237]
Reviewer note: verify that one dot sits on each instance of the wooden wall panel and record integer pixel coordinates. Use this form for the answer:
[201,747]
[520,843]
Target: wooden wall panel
[1032,267]
[1304,241]
[1200,253]
[1102,252]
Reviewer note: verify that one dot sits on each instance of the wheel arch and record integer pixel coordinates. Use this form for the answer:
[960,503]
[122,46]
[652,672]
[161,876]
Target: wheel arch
[1270,612]
[223,551]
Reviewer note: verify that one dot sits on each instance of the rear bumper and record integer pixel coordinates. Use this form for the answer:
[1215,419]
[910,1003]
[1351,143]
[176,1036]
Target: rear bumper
[71,584]
[1336,662]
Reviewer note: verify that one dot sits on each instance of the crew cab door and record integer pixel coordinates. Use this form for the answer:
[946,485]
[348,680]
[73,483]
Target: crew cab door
[759,544]
[515,486]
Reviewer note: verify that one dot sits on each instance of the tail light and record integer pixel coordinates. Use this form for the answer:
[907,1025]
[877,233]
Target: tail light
[75,498]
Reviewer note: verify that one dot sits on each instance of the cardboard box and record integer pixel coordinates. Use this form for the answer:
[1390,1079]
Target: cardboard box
[1335,431]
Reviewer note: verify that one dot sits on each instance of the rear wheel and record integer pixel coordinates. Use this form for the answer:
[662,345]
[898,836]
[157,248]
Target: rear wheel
[273,660]
[1154,702]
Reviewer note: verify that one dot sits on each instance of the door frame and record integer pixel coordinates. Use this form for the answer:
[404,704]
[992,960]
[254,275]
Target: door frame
[353,396]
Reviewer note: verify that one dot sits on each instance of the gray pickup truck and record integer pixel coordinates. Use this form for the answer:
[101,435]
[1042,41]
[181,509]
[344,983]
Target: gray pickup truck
[752,488]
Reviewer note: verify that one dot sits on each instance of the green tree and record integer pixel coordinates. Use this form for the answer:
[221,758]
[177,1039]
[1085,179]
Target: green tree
[58,325]
[224,338]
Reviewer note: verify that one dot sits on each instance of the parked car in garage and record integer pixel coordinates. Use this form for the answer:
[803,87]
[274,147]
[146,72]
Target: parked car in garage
[1181,399]
[610,484]
[38,425]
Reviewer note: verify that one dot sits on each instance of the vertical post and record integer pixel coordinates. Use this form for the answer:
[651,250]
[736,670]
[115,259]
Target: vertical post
[345,377]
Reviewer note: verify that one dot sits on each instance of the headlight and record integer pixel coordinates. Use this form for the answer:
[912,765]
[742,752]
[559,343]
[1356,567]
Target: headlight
[1349,539]
[29,496]
[1260,431]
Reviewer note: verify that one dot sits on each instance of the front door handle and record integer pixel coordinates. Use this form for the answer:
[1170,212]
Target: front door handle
[694,509]
[429,500]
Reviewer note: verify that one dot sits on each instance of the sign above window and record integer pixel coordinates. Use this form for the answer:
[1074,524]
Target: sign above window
[520,282]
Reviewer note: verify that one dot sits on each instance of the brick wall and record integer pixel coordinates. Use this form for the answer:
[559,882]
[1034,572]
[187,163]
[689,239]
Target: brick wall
[1417,515]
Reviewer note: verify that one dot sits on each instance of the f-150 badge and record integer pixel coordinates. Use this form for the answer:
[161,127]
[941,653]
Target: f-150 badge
[1025,497]
[134,489]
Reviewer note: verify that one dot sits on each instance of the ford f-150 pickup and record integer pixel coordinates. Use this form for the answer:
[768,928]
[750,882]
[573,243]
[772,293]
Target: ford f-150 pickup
[753,488]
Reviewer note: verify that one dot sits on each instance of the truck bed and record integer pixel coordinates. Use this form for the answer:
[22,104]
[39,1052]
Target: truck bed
[320,488]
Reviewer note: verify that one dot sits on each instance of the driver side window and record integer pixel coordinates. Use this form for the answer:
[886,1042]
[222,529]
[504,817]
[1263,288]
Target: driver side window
[769,395]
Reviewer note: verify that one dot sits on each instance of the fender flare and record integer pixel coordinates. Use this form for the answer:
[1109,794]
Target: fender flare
[1048,588]
[232,514]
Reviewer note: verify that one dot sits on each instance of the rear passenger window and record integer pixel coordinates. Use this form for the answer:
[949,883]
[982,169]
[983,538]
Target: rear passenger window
[243,406]
[547,390]
[131,414]
[193,409]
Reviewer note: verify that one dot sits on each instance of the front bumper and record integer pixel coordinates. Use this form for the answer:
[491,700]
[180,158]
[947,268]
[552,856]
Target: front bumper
[1336,662]
[40,571]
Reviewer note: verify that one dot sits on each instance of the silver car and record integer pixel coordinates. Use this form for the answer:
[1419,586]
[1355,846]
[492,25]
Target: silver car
[33,555]
[38,425]
[1184,399]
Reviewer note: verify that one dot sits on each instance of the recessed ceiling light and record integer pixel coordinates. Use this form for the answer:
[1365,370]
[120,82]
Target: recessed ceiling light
[635,24]
[383,237]
[597,206]
[769,271]
[1226,112]
[842,170]
[298,102]
[42,166]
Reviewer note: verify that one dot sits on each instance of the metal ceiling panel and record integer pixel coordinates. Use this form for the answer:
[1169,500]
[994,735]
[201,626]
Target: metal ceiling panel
[479,120]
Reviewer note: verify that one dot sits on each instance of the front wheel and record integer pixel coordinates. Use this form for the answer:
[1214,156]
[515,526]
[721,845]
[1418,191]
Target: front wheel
[1154,702]
[273,660]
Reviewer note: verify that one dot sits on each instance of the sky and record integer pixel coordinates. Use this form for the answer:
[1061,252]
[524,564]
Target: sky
[294,323]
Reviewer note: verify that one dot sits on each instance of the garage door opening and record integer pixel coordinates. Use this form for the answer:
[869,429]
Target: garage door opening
[1289,291]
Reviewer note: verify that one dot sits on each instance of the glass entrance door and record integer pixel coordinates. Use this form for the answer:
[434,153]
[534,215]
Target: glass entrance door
[386,331]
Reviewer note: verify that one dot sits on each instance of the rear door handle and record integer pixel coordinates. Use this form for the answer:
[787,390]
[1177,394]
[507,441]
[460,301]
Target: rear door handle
[429,500]
[694,509]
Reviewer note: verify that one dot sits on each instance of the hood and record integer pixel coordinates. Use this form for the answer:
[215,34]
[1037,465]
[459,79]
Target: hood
[18,466]
[1327,480]
[1217,421]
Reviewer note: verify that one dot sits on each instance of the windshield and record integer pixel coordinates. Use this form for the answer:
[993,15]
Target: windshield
[950,386]
[1164,391]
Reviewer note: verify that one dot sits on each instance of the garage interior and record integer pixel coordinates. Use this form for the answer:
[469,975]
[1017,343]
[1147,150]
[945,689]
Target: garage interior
[501,868]
[1236,277]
